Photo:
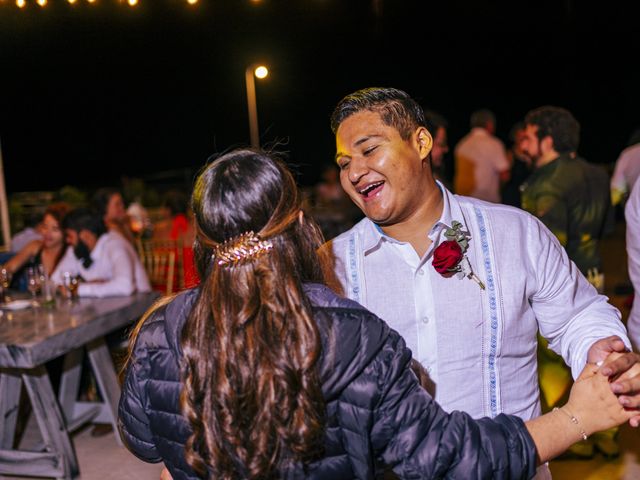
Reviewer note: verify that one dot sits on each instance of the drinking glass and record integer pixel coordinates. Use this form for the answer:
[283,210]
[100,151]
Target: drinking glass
[71,284]
[5,281]
[33,284]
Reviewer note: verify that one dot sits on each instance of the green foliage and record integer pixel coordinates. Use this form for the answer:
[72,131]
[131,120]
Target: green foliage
[73,196]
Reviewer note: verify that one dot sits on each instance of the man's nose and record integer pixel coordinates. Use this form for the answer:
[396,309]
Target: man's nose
[357,169]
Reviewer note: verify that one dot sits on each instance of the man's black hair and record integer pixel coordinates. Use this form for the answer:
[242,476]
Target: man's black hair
[84,219]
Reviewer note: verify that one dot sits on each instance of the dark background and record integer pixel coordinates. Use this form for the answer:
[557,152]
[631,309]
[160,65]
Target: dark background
[89,93]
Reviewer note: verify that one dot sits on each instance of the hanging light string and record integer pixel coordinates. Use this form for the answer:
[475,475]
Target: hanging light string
[43,3]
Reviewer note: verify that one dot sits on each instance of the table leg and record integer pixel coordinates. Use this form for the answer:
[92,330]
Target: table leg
[70,383]
[10,385]
[105,374]
[50,421]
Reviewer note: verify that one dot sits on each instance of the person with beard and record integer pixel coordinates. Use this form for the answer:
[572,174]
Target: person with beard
[567,193]
[107,264]
[572,198]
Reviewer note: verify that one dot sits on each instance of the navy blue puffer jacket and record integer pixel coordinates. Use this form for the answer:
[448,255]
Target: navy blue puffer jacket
[377,414]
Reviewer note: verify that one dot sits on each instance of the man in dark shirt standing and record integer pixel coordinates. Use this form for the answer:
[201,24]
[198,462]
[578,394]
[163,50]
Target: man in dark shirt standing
[572,198]
[569,195]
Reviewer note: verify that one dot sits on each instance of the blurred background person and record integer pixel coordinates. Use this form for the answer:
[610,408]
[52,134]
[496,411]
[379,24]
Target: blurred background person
[177,226]
[437,126]
[632,215]
[176,223]
[520,167]
[481,160]
[572,198]
[29,233]
[331,208]
[108,202]
[107,264]
[46,251]
[627,170]
[568,194]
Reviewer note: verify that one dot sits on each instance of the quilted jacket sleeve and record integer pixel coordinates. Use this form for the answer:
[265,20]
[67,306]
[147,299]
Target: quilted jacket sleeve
[413,435]
[133,421]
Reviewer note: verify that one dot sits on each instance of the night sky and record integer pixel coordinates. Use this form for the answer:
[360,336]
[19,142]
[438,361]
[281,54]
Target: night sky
[89,93]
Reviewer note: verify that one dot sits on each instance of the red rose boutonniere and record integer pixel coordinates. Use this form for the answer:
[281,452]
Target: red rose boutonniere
[450,256]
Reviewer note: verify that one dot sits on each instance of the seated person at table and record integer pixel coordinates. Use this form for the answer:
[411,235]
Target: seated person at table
[47,251]
[109,204]
[107,264]
[177,226]
[263,372]
[29,233]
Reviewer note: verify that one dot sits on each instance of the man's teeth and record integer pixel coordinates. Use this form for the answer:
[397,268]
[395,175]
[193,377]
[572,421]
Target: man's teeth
[371,187]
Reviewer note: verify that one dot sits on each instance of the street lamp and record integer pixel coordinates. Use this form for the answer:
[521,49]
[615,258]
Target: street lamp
[259,71]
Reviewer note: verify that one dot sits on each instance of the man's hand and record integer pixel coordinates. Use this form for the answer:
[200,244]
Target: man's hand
[600,350]
[623,372]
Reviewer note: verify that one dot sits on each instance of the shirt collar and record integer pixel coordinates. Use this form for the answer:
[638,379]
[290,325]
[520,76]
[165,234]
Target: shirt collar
[96,253]
[373,235]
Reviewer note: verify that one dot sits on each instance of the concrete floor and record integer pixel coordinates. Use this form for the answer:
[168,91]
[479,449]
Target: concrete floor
[101,459]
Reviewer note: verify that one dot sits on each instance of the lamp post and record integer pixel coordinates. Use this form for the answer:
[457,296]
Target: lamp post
[259,71]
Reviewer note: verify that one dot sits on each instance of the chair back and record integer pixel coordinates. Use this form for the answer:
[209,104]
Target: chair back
[162,259]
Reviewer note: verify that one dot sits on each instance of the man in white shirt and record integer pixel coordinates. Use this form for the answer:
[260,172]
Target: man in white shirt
[627,170]
[474,326]
[106,261]
[481,160]
[632,215]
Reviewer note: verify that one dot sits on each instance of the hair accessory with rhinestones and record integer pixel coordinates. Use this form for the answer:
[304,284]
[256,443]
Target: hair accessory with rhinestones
[237,249]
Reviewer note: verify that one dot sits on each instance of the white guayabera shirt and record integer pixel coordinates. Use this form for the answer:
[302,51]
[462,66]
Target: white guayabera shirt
[479,346]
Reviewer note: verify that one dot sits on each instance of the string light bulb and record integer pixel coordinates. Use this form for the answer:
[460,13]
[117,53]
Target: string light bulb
[42,3]
[71,1]
[192,2]
[261,71]
[21,3]
[133,3]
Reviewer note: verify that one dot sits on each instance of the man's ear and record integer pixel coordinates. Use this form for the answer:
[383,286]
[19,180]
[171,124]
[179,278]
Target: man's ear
[424,142]
[546,144]
[88,237]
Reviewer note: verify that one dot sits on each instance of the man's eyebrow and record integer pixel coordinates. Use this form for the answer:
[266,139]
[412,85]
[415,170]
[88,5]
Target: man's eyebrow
[359,142]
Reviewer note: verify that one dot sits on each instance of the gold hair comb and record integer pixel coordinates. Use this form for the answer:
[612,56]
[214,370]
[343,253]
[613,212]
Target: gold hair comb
[238,249]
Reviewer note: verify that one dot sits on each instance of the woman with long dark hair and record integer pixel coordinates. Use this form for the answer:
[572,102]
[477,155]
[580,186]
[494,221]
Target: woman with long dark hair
[49,250]
[263,372]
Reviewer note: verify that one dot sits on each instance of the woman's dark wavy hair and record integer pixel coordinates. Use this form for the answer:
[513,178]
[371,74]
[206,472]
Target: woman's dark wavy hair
[396,108]
[101,198]
[251,392]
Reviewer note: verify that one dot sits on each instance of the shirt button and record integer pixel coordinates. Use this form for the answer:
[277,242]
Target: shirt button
[421,271]
[425,319]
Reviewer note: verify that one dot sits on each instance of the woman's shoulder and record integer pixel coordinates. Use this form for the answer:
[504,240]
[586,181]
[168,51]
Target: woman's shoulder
[161,325]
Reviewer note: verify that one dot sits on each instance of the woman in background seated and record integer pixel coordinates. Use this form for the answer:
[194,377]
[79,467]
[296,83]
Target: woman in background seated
[178,227]
[109,203]
[50,249]
[263,372]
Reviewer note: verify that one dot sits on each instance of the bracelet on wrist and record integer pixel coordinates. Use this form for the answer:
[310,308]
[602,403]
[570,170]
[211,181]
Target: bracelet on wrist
[574,420]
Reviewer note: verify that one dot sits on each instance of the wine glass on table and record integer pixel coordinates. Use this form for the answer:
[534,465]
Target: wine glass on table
[33,284]
[71,283]
[5,282]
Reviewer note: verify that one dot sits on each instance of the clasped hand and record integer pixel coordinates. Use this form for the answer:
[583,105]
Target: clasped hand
[623,370]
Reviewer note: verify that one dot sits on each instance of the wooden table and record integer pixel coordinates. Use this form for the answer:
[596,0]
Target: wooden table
[31,337]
